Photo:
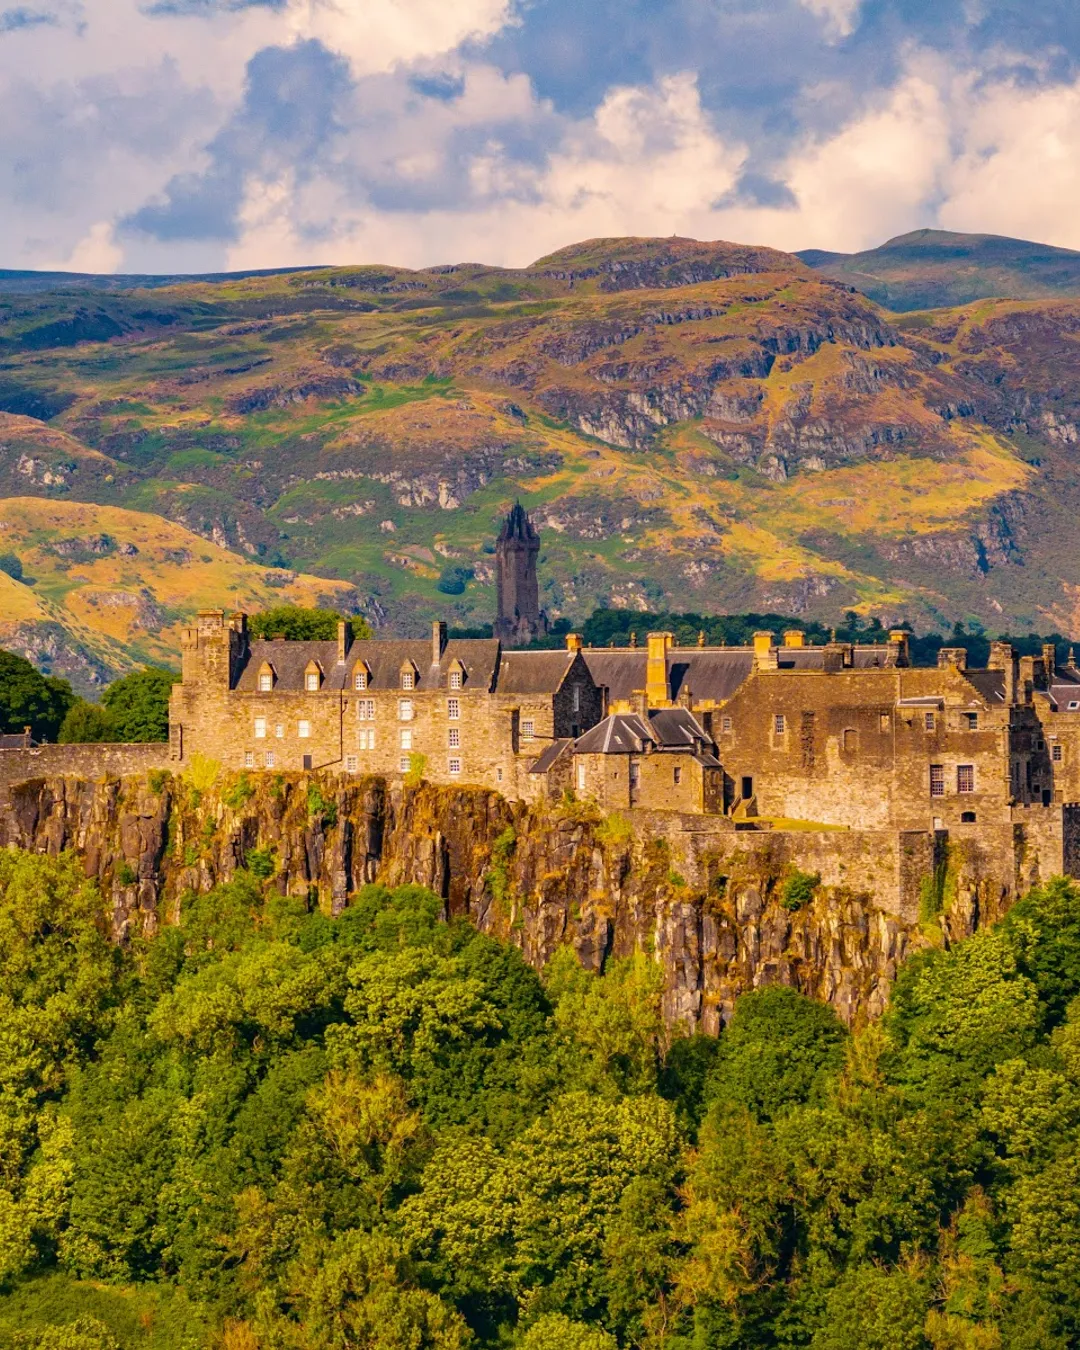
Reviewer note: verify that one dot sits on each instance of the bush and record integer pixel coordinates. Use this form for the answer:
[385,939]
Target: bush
[12,565]
[86,724]
[239,794]
[453,580]
[303,625]
[798,890]
[138,704]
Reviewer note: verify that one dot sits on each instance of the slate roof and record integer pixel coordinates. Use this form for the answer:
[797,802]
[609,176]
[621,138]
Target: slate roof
[552,754]
[711,672]
[19,740]
[989,683]
[384,658]
[533,672]
[1064,689]
[663,730]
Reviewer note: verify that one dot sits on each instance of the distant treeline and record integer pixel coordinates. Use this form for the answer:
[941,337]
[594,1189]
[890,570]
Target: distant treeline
[619,627]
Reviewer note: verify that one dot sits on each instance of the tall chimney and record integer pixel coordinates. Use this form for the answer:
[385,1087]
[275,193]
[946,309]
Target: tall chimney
[573,642]
[438,641]
[901,641]
[344,640]
[1049,660]
[765,651]
[657,687]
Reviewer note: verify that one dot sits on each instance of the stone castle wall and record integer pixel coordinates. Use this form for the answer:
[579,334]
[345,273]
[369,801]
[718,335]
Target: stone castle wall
[79,761]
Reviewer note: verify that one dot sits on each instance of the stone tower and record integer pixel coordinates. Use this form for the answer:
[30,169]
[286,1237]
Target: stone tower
[520,619]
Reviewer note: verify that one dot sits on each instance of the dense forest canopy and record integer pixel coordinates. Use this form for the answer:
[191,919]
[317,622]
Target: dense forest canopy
[267,1128]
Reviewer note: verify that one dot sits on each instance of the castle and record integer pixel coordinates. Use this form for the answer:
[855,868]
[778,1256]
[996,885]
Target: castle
[848,750]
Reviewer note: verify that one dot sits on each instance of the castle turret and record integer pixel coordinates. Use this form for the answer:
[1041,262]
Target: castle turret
[520,619]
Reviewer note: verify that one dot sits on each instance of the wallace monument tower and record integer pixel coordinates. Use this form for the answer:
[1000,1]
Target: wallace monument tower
[520,619]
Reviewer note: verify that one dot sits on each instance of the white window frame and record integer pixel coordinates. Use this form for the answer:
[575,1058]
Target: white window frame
[365,709]
[403,764]
[405,738]
[528,729]
[360,680]
[581,777]
[279,730]
[311,682]
[408,679]
[249,759]
[405,710]
[779,724]
[352,763]
[303,729]
[260,728]
[455,679]
[453,709]
[453,738]
[269,759]
[454,767]
[266,682]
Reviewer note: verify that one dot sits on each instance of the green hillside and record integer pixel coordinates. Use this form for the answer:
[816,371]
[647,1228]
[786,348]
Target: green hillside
[694,426]
[930,268]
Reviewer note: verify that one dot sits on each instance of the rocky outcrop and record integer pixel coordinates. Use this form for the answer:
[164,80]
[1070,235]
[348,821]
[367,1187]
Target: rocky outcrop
[536,876]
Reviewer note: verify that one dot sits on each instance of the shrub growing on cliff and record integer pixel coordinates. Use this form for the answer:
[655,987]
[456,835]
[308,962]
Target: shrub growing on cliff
[798,889]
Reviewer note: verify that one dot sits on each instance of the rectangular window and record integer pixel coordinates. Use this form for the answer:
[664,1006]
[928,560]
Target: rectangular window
[303,730]
[454,735]
[455,679]
[937,780]
[351,763]
[260,728]
[453,709]
[677,775]
[455,766]
[269,759]
[779,724]
[365,738]
[498,775]
[883,723]
[407,679]
[403,763]
[577,697]
[266,683]
[635,773]
[365,709]
[581,777]
[528,729]
[405,710]
[851,739]
[406,738]
[279,730]
[1056,754]
[725,724]
[965,778]
[971,721]
[929,721]
[249,759]
[311,682]
[360,680]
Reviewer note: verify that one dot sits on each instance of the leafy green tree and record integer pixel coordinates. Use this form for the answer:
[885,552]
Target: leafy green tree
[873,1308]
[778,1051]
[86,723]
[138,704]
[11,563]
[85,1333]
[303,625]
[28,698]
[555,1331]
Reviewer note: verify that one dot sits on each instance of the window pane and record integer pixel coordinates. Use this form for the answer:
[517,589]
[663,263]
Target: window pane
[453,708]
[937,780]
[965,778]
[405,709]
[303,730]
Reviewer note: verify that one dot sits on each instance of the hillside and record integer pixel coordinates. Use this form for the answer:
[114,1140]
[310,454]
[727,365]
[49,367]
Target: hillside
[927,269]
[105,589]
[693,425]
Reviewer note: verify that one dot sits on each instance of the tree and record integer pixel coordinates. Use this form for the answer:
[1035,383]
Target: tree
[554,1331]
[11,563]
[85,724]
[28,698]
[138,704]
[303,625]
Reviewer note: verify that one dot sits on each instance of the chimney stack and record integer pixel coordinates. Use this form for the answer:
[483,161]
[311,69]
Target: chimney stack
[1049,661]
[765,657]
[438,641]
[657,686]
[344,640]
[573,642]
[952,656]
[794,637]
[900,640]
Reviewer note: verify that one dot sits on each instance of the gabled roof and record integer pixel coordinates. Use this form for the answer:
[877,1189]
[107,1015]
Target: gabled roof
[533,672]
[989,683]
[552,754]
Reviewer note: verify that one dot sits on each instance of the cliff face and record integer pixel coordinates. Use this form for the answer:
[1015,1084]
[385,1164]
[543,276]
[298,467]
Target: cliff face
[536,876]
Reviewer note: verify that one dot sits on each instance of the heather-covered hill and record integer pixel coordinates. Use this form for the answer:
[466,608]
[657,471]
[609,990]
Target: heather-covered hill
[693,425]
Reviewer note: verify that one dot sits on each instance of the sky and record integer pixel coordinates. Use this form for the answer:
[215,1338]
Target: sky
[205,135]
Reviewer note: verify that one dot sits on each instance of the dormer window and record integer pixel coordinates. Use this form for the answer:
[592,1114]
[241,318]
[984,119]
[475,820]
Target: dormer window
[408,676]
[455,679]
[266,678]
[456,676]
[361,675]
[313,677]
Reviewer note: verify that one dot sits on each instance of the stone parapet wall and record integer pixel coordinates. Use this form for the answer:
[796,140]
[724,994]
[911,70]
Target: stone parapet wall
[80,761]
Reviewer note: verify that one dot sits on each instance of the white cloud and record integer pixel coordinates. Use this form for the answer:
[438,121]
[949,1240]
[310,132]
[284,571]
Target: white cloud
[841,16]
[97,251]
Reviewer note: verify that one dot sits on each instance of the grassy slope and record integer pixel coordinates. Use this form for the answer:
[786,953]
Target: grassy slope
[704,425]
